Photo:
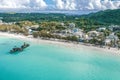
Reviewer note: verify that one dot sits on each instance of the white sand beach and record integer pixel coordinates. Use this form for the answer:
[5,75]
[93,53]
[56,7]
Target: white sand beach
[113,51]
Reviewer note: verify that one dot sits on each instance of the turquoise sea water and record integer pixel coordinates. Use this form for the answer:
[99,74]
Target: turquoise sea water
[52,62]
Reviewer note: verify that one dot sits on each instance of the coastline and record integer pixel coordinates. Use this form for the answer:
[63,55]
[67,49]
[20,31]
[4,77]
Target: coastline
[113,51]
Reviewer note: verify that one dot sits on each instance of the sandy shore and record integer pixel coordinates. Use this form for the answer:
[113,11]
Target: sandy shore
[113,51]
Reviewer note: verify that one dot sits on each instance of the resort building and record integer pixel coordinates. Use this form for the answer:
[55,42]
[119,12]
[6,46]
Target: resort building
[114,28]
[32,28]
[101,29]
[93,33]
[112,39]
[78,32]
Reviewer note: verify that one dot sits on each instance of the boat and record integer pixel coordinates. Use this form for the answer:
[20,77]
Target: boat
[16,50]
[19,49]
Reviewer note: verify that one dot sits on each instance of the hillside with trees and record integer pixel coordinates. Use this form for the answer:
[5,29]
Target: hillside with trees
[106,17]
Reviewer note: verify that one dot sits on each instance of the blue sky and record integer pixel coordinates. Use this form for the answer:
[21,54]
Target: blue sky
[49,2]
[58,5]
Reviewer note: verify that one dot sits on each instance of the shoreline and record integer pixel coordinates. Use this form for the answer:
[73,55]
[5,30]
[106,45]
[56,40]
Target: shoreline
[113,51]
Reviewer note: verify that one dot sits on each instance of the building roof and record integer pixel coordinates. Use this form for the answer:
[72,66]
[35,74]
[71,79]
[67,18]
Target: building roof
[112,36]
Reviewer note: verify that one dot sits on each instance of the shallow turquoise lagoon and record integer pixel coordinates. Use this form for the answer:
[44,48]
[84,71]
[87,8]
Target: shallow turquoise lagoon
[54,62]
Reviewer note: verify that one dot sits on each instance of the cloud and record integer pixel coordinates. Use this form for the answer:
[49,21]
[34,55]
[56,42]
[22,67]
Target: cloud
[113,4]
[35,4]
[60,4]
[65,4]
[87,4]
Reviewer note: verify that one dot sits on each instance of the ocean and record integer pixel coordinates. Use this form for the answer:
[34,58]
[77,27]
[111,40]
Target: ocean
[54,62]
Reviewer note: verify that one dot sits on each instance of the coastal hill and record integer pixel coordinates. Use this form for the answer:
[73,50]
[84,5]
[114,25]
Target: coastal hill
[106,17]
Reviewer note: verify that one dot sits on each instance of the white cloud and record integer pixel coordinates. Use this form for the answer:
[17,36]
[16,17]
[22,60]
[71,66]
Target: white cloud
[61,4]
[39,4]
[87,4]
[65,4]
[23,4]
[110,4]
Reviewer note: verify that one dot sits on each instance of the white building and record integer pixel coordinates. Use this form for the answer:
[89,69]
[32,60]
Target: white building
[34,27]
[93,33]
[78,32]
[112,38]
[101,29]
[114,27]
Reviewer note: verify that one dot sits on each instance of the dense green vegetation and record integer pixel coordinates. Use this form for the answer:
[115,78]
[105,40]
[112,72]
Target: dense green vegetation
[106,17]
[52,21]
[39,17]
[49,21]
[13,28]
[15,17]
